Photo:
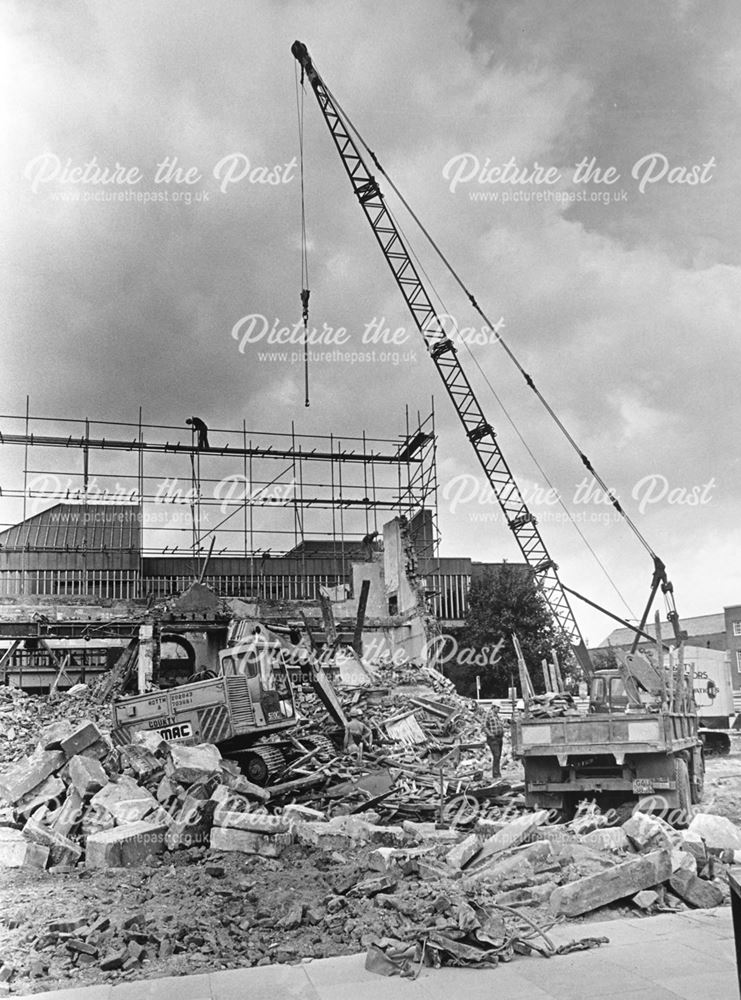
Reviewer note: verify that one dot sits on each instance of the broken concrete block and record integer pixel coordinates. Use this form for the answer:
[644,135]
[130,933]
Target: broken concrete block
[383,858]
[645,899]
[27,774]
[321,836]
[238,783]
[142,761]
[695,891]
[114,960]
[18,852]
[386,836]
[224,839]
[50,793]
[500,870]
[192,825]
[98,750]
[683,861]
[124,800]
[150,740]
[255,822]
[62,850]
[647,833]
[512,834]
[87,775]
[716,831]
[80,739]
[462,853]
[527,896]
[609,838]
[53,734]
[294,812]
[613,883]
[694,845]
[167,791]
[125,846]
[191,764]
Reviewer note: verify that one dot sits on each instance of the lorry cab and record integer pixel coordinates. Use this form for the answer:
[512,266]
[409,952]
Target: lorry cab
[607,693]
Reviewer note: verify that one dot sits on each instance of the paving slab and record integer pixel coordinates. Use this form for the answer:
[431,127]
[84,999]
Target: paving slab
[580,977]
[265,982]
[166,988]
[704,984]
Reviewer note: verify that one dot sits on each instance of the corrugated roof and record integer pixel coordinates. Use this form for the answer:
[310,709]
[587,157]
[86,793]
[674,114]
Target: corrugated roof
[70,527]
[700,625]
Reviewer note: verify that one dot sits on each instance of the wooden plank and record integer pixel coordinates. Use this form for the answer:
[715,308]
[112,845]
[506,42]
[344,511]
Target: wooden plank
[357,642]
[7,657]
[525,683]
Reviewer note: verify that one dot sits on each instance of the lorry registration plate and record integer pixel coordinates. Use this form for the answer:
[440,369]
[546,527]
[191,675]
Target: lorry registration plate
[643,786]
[179,732]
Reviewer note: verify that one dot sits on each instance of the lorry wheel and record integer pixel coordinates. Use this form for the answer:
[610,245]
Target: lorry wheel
[698,777]
[684,790]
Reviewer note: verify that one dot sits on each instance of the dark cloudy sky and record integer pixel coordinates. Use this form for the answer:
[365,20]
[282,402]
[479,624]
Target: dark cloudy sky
[625,313]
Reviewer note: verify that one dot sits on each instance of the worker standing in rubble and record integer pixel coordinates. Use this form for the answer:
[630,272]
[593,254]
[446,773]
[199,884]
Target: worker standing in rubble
[494,732]
[357,735]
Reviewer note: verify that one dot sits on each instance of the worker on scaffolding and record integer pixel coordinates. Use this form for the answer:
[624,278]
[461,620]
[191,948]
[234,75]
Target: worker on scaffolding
[199,427]
[358,736]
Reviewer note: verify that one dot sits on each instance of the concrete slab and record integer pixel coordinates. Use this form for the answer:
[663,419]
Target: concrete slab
[347,969]
[165,988]
[502,983]
[657,962]
[102,992]
[580,977]
[264,983]
[713,984]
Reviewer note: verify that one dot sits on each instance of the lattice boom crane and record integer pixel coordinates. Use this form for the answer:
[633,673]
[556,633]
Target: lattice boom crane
[443,352]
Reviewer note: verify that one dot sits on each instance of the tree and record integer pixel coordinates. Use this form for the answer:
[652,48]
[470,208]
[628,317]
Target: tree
[502,601]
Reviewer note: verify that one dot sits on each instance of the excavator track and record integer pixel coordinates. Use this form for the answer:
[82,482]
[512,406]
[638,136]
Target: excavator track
[261,764]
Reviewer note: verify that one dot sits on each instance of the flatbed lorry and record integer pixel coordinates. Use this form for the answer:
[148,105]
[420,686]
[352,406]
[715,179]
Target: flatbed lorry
[618,752]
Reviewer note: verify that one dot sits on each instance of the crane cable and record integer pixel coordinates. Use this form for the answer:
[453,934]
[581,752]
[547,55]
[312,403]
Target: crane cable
[305,293]
[511,421]
[528,379]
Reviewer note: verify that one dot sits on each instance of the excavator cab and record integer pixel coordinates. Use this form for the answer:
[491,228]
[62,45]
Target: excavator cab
[258,660]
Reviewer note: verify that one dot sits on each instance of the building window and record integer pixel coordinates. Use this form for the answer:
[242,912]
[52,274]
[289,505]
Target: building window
[738,660]
[737,628]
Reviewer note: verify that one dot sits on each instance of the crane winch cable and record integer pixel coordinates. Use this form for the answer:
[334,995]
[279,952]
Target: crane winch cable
[305,293]
[510,419]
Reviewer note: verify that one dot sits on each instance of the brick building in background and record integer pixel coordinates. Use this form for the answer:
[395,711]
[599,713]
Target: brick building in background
[717,631]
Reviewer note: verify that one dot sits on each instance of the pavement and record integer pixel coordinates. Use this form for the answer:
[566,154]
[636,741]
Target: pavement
[685,956]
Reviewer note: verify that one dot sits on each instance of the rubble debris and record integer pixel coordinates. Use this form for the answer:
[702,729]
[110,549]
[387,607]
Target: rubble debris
[268,845]
[649,833]
[695,891]
[124,846]
[622,880]
[715,832]
[413,844]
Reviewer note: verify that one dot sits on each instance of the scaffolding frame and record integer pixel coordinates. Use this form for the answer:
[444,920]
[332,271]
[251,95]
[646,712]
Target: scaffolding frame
[327,487]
